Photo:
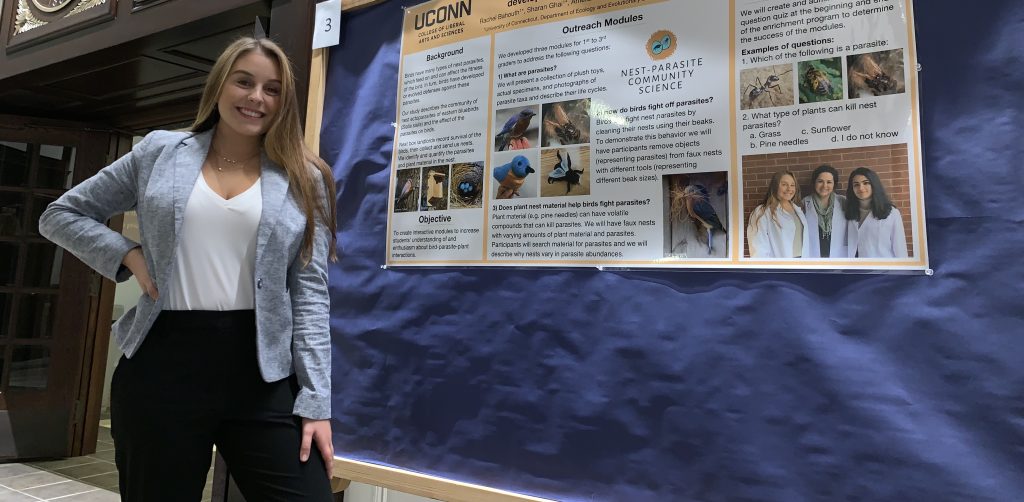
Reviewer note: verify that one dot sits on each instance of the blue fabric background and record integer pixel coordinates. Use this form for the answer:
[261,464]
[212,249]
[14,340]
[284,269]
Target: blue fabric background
[661,385]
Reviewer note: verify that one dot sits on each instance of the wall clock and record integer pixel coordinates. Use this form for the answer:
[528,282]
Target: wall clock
[51,5]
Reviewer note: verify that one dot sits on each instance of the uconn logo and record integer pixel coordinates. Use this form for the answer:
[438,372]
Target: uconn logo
[443,14]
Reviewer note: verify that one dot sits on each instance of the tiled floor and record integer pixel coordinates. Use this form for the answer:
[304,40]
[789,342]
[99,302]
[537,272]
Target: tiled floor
[25,483]
[92,478]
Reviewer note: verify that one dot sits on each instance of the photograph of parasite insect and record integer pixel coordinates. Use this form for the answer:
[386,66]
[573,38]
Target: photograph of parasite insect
[467,185]
[407,187]
[567,171]
[766,87]
[566,123]
[876,74]
[821,80]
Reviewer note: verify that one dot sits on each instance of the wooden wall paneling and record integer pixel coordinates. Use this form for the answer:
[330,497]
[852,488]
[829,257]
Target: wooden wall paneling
[291,26]
[32,27]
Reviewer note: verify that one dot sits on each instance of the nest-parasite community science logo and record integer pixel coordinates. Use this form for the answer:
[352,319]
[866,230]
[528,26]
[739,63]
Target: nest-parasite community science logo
[661,44]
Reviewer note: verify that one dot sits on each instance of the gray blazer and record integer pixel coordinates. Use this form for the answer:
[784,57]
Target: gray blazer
[156,179]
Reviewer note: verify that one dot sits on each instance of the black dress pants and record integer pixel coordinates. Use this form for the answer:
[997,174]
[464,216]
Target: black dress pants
[193,383]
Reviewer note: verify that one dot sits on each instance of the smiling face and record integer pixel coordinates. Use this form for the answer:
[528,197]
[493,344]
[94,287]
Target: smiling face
[861,187]
[250,97]
[824,185]
[787,188]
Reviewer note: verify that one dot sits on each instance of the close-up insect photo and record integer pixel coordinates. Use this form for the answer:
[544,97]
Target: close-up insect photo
[876,74]
[566,172]
[766,87]
[820,80]
[566,123]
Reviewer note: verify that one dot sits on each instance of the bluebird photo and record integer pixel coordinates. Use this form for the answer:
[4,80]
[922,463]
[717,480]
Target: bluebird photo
[519,129]
[697,207]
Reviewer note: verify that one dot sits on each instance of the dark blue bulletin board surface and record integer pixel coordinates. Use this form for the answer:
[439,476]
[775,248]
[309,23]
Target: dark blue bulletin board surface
[661,385]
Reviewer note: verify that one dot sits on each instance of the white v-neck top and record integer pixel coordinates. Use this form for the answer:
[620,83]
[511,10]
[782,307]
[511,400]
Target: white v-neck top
[213,268]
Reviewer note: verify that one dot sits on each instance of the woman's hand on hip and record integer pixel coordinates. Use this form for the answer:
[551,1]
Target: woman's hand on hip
[319,431]
[137,264]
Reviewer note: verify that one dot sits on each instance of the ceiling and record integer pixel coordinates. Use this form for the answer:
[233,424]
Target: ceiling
[153,82]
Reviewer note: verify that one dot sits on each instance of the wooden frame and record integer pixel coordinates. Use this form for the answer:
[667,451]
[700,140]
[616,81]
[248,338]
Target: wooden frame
[83,14]
[423,485]
[138,5]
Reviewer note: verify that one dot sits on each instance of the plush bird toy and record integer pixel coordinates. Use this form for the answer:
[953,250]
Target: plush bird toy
[512,133]
[511,176]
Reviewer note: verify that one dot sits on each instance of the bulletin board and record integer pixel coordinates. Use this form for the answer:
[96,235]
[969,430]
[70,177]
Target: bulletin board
[585,384]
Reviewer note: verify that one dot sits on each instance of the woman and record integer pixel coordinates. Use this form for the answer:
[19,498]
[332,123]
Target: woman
[826,221]
[777,227]
[874,226]
[230,343]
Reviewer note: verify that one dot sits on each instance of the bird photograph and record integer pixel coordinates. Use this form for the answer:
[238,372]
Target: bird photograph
[697,206]
[511,178]
[519,130]
[407,184]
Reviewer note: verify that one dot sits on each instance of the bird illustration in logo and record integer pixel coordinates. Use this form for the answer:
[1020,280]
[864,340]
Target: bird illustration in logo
[511,176]
[512,134]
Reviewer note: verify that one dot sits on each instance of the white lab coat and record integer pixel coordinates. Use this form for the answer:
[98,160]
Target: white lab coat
[877,238]
[768,239]
[837,246]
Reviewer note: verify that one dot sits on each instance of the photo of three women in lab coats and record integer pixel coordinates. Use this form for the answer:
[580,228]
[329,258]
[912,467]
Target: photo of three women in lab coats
[862,224]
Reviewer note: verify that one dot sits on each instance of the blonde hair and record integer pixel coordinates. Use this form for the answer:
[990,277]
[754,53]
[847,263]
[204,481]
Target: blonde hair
[282,142]
[771,202]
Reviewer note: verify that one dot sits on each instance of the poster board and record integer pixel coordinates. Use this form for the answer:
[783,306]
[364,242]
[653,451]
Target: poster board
[651,133]
[738,386]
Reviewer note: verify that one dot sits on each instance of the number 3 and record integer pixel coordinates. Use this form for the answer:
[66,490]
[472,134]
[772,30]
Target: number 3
[328,28]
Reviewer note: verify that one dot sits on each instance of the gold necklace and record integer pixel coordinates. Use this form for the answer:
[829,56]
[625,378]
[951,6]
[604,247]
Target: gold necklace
[236,165]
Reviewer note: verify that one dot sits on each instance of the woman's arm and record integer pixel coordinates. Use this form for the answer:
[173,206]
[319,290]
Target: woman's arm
[898,237]
[757,235]
[311,347]
[77,220]
[311,337]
